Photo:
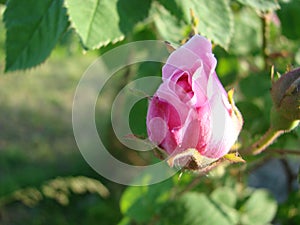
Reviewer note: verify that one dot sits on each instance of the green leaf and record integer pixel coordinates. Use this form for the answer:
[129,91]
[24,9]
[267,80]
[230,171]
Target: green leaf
[215,20]
[132,12]
[247,37]
[33,28]
[142,203]
[226,199]
[3,2]
[224,195]
[175,8]
[263,5]
[96,21]
[199,209]
[100,22]
[289,17]
[169,27]
[259,209]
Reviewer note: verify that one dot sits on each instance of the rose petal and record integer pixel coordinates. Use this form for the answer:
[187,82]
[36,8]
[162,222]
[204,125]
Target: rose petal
[199,45]
[199,85]
[160,127]
[224,133]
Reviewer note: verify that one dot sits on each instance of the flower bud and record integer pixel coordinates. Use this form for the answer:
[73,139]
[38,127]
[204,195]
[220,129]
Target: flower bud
[191,115]
[286,95]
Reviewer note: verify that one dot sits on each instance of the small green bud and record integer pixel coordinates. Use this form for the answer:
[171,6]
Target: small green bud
[286,95]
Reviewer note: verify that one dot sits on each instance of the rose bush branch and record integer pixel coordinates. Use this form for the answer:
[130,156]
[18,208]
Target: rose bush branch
[284,151]
[265,141]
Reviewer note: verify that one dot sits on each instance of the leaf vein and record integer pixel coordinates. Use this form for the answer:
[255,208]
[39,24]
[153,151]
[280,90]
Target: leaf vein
[35,30]
[92,20]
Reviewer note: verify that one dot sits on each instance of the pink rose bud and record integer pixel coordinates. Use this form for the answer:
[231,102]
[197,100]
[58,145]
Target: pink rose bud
[191,108]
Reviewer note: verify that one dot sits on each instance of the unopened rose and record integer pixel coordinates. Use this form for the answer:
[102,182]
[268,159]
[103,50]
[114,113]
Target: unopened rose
[285,94]
[191,109]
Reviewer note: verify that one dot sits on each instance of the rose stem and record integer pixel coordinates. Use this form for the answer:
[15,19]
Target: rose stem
[267,139]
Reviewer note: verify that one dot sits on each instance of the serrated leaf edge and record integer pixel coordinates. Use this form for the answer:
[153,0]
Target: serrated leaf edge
[101,43]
